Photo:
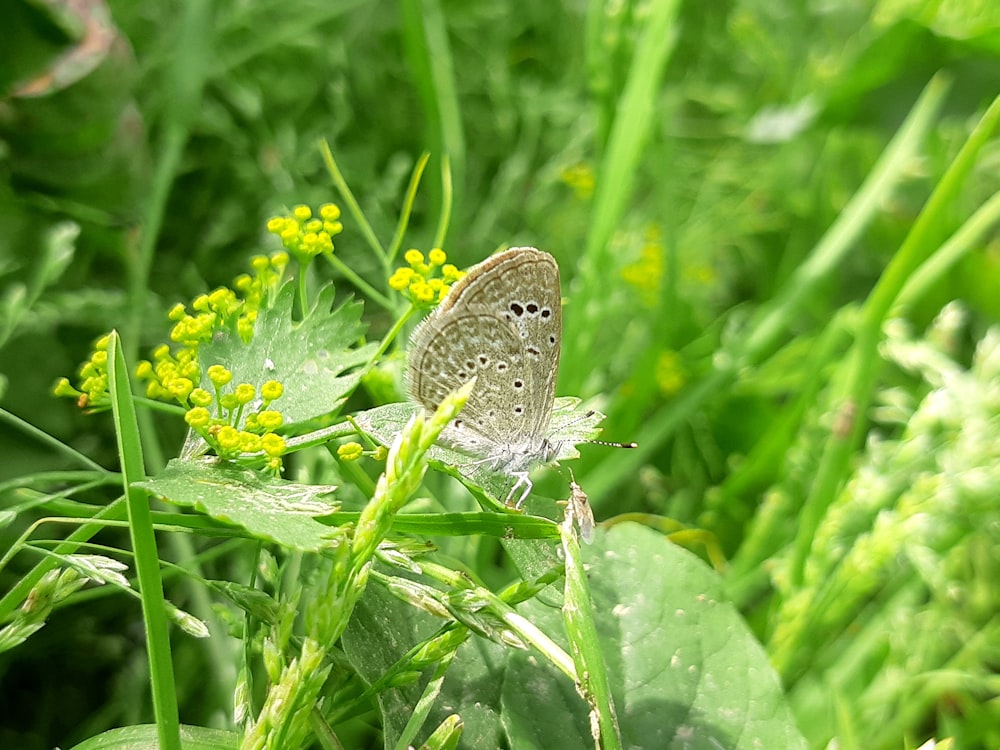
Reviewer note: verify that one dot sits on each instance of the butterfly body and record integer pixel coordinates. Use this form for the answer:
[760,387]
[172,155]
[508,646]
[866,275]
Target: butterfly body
[502,325]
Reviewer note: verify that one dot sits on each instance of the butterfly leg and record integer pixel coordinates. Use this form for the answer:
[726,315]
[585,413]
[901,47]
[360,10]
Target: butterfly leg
[522,481]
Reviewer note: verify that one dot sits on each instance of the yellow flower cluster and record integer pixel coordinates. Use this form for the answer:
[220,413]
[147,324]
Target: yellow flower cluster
[174,375]
[646,274]
[305,235]
[219,309]
[580,177]
[418,280]
[170,377]
[220,426]
[93,390]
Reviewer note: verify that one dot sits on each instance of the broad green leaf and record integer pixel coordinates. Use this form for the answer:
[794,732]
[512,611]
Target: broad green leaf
[144,737]
[384,628]
[271,509]
[381,631]
[685,670]
[311,357]
[472,690]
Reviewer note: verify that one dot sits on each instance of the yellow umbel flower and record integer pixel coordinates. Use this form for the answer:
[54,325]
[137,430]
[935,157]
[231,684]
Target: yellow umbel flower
[305,235]
[425,281]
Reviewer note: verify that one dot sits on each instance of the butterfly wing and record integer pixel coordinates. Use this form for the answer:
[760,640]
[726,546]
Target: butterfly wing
[503,324]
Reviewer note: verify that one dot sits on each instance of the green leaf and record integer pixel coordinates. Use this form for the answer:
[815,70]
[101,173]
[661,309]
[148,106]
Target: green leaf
[144,737]
[383,628]
[311,357]
[684,668]
[271,509]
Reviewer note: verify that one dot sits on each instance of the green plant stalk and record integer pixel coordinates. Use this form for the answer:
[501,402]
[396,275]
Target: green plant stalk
[352,203]
[30,498]
[432,650]
[13,598]
[619,465]
[283,720]
[447,734]
[839,240]
[57,446]
[618,168]
[185,83]
[302,293]
[864,363]
[404,215]
[57,250]
[367,289]
[389,337]
[469,600]
[371,292]
[966,239]
[442,644]
[425,36]
[144,545]
[578,609]
[424,705]
[602,23]
[324,734]
[447,199]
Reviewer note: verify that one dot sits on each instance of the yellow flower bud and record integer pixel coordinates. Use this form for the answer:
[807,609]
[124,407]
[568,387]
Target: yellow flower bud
[200,397]
[198,417]
[273,445]
[272,390]
[270,419]
[228,438]
[350,451]
[219,375]
[245,393]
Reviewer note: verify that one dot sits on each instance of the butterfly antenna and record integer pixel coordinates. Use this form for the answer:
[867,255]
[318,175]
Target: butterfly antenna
[610,444]
[605,443]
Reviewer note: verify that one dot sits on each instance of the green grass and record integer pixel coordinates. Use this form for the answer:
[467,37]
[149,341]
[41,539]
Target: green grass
[775,228]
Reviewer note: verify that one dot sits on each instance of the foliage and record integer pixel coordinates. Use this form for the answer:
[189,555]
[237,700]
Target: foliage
[774,224]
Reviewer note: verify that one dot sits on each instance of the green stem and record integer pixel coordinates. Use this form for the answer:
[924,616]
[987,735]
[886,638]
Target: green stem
[367,289]
[447,198]
[352,204]
[404,216]
[144,545]
[45,439]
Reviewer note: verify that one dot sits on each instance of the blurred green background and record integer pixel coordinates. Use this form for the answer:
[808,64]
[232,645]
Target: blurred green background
[681,161]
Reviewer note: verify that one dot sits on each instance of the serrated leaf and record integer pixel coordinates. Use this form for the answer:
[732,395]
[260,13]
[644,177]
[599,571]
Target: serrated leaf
[272,509]
[685,670]
[311,357]
[570,424]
